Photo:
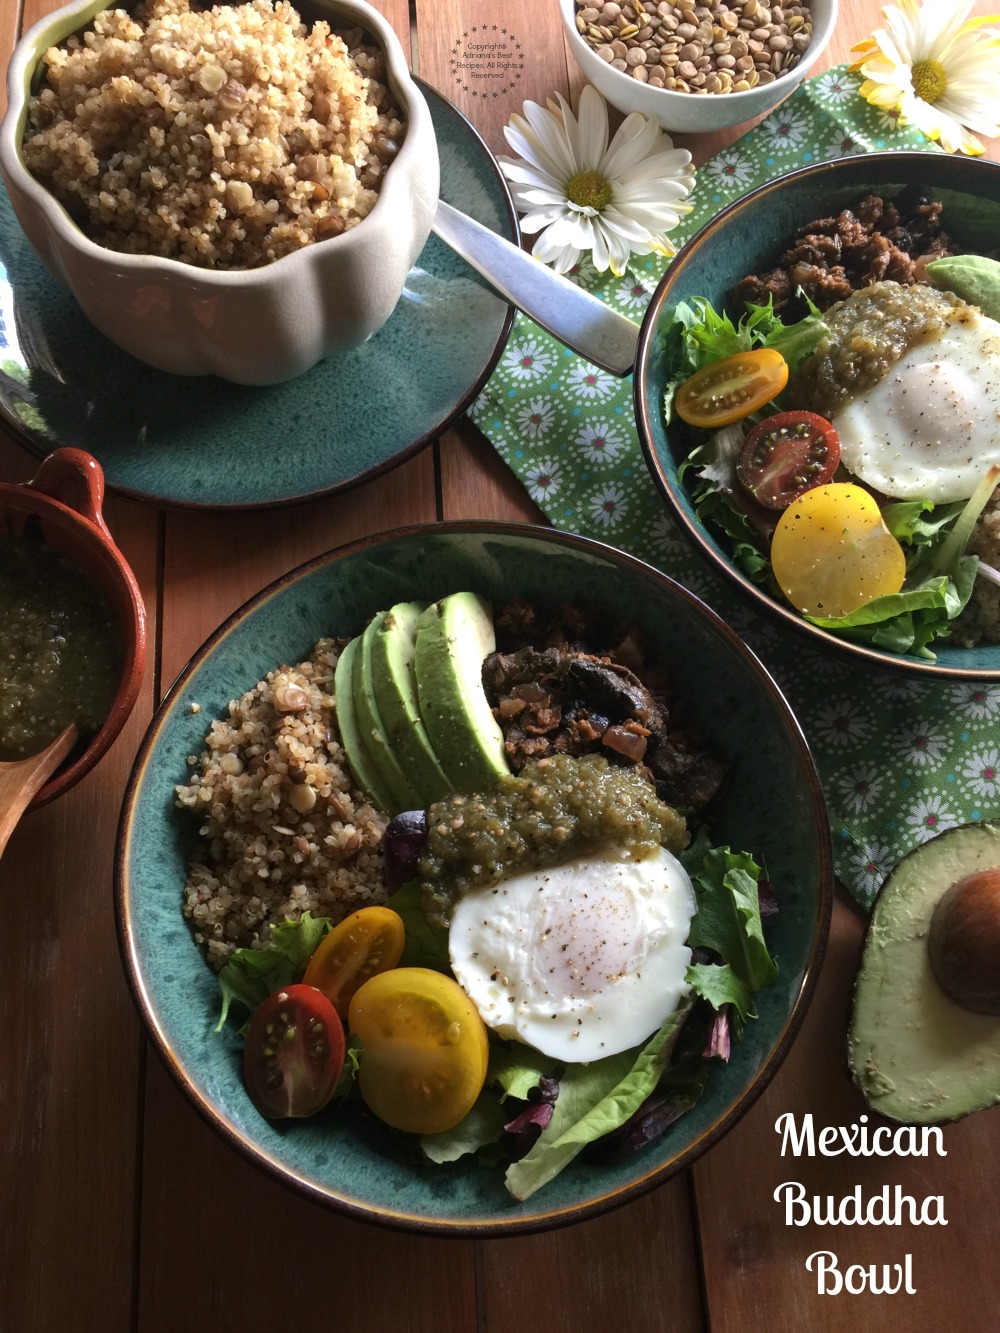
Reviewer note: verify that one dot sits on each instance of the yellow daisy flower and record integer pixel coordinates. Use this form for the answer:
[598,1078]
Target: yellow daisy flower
[939,69]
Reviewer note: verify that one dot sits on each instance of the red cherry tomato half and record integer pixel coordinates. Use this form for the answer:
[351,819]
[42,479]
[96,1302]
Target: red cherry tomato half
[786,455]
[294,1053]
[729,390]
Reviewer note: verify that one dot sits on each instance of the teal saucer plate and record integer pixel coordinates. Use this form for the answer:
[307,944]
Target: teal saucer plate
[771,805]
[205,443]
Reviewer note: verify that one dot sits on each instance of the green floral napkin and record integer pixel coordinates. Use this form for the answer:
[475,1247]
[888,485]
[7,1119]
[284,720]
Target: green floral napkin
[899,760]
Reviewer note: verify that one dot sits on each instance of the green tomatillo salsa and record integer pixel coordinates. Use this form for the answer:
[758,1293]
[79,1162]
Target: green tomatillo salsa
[553,810]
[60,648]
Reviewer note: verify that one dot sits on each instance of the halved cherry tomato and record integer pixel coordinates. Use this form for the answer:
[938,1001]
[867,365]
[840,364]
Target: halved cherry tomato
[365,943]
[786,455]
[832,552]
[425,1051]
[730,389]
[294,1053]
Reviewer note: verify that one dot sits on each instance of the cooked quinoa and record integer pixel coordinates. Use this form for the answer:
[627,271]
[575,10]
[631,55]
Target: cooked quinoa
[284,830]
[224,137]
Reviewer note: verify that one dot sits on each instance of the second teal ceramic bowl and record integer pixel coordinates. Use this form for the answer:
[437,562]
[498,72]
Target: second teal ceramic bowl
[749,237]
[771,805]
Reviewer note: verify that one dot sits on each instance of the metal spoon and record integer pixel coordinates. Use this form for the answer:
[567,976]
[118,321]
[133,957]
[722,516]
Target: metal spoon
[20,779]
[576,318]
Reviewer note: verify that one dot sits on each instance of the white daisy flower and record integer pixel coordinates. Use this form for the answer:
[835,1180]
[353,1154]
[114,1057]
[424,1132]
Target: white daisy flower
[921,744]
[931,815]
[980,702]
[729,168]
[542,479]
[600,442]
[528,360]
[835,86]
[859,787]
[869,865]
[785,130]
[606,505]
[664,537]
[981,772]
[841,722]
[634,293]
[841,145]
[535,418]
[589,382]
[582,195]
[938,68]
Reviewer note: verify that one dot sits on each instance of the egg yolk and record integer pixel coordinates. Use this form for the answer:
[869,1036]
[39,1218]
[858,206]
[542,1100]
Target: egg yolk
[832,552]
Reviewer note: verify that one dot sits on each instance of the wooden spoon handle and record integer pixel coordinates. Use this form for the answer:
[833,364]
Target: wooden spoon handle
[19,781]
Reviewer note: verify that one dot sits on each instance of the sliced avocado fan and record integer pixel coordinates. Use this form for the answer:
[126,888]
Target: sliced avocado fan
[394,677]
[362,768]
[374,732]
[454,636]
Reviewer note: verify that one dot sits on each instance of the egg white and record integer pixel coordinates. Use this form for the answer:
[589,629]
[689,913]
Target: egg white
[931,427]
[581,960]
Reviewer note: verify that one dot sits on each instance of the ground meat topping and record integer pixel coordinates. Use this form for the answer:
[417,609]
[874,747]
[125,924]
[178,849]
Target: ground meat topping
[563,699]
[876,240]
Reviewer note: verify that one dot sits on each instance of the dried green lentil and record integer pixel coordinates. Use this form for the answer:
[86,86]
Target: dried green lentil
[714,48]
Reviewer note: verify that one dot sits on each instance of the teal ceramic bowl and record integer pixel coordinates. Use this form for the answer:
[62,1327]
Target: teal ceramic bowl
[749,237]
[772,805]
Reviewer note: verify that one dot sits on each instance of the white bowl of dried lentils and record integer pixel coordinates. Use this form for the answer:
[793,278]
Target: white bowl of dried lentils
[228,190]
[697,67]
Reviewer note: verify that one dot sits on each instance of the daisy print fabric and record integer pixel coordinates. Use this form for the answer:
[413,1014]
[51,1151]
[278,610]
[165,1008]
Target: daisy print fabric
[899,760]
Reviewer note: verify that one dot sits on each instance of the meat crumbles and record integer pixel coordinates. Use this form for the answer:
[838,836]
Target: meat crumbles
[552,693]
[877,240]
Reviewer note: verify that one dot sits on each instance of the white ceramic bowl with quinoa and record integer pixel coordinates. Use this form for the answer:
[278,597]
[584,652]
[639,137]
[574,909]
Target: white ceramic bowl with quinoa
[228,191]
[697,67]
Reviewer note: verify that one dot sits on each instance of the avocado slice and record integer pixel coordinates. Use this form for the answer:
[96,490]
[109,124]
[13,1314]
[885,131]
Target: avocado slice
[917,1056]
[454,636]
[394,678]
[373,729]
[362,768]
[974,278]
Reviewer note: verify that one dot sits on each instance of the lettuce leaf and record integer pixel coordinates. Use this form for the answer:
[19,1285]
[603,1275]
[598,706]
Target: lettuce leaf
[727,920]
[479,1127]
[424,945]
[719,985]
[595,1099]
[252,974]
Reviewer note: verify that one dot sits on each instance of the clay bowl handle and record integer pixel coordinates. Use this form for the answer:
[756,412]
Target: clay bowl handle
[75,479]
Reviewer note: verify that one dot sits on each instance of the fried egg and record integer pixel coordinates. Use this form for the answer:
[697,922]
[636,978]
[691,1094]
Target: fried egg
[581,960]
[931,427]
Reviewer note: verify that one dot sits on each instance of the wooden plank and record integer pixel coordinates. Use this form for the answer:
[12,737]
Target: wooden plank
[69,1037]
[755,1261]
[489,58]
[226,1248]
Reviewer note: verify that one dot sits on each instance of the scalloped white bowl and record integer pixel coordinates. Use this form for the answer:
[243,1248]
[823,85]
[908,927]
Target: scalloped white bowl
[252,326]
[694,113]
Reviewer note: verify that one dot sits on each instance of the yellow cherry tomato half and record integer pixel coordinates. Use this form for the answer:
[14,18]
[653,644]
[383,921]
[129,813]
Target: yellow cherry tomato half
[365,943]
[730,389]
[831,551]
[423,1062]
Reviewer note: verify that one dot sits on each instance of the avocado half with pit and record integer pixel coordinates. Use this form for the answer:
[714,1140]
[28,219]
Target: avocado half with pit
[924,1042]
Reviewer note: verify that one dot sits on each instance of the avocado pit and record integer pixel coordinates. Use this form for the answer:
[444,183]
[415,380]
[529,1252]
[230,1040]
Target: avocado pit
[964,942]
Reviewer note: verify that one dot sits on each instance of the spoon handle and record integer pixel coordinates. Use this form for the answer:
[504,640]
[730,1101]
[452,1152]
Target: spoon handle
[21,780]
[575,317]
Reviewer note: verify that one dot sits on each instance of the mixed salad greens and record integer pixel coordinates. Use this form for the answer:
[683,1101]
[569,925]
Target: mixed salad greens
[709,356]
[529,1114]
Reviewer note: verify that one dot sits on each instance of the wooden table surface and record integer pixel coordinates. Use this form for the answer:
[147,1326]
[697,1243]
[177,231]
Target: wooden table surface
[121,1210]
